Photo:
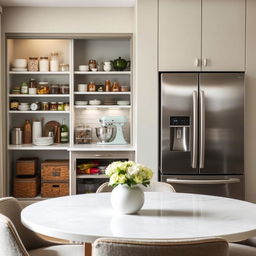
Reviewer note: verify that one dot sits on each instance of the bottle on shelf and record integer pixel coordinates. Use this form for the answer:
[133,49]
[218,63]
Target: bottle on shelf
[92,87]
[64,134]
[27,134]
[107,86]
[116,87]
[24,88]
[32,86]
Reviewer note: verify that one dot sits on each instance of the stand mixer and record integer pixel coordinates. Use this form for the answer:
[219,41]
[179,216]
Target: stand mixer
[111,131]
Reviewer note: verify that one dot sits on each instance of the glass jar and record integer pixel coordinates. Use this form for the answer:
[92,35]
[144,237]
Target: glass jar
[32,87]
[54,62]
[64,89]
[54,89]
[60,106]
[44,64]
[83,135]
[14,105]
[92,64]
[45,106]
[116,87]
[66,106]
[64,67]
[43,88]
[91,87]
[53,106]
[33,64]
[125,88]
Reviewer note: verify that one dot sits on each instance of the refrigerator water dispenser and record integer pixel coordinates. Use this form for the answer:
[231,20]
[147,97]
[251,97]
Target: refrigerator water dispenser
[179,133]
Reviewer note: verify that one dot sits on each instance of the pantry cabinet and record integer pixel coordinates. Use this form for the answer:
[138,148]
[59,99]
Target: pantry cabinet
[201,35]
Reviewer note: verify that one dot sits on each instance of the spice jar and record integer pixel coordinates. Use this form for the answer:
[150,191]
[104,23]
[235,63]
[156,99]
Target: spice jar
[43,88]
[116,87]
[54,89]
[92,64]
[32,86]
[33,64]
[60,106]
[64,89]
[14,105]
[64,67]
[107,86]
[91,87]
[44,64]
[45,106]
[54,62]
[66,106]
[53,106]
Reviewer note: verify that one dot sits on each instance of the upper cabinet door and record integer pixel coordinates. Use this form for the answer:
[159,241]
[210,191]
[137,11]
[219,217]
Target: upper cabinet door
[223,35]
[179,35]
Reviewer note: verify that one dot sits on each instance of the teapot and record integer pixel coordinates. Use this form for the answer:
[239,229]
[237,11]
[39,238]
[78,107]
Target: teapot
[120,64]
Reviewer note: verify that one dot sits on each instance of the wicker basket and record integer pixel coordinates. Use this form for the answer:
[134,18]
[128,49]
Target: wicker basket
[54,189]
[26,166]
[26,187]
[55,170]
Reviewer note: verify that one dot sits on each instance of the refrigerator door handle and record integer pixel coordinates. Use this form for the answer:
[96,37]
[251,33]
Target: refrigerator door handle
[202,130]
[195,130]
[203,182]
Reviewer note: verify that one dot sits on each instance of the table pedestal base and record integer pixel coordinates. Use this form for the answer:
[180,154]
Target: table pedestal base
[87,249]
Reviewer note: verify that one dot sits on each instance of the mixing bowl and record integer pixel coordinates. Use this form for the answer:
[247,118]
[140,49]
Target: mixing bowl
[106,134]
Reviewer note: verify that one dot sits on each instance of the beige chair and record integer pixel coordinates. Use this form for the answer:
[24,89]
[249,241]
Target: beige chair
[202,247]
[155,186]
[17,240]
[194,247]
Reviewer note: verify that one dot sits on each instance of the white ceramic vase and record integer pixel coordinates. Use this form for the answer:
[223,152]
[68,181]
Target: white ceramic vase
[127,200]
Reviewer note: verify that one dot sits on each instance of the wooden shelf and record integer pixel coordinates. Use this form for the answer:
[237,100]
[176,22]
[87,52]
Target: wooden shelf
[38,95]
[103,73]
[37,73]
[102,93]
[37,112]
[102,106]
[55,146]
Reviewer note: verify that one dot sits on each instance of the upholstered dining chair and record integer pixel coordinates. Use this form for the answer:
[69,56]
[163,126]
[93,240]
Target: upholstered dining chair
[17,240]
[155,186]
[194,247]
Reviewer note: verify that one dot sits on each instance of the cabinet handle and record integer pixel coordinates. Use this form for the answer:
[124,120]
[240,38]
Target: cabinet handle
[197,62]
[205,62]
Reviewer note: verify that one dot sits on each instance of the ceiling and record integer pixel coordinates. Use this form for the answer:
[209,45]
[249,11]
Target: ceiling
[68,3]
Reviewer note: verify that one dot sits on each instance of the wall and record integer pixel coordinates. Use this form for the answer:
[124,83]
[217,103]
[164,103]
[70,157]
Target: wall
[68,20]
[250,116]
[147,82]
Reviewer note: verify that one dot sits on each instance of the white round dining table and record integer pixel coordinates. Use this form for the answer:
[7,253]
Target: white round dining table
[164,215]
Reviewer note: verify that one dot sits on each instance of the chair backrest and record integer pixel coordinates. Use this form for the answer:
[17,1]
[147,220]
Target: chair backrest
[155,186]
[197,247]
[11,209]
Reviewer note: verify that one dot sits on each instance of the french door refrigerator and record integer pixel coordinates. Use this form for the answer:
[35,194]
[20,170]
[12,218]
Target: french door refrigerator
[202,132]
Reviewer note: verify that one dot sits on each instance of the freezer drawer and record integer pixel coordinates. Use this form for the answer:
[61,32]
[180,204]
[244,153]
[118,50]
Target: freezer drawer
[227,186]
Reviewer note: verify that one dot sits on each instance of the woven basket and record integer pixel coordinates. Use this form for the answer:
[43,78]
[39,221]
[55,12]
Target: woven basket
[55,170]
[26,187]
[54,189]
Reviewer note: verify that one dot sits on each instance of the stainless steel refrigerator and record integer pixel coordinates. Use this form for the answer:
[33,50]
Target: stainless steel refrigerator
[202,132]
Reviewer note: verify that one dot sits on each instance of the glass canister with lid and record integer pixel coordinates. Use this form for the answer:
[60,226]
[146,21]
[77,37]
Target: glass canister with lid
[43,88]
[83,134]
[64,89]
[33,64]
[54,89]
[44,64]
[54,62]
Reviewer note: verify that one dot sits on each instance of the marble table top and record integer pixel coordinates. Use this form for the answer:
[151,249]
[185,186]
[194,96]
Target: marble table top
[165,215]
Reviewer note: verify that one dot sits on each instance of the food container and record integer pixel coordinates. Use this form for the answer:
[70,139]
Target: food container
[53,106]
[64,67]
[83,135]
[15,90]
[66,106]
[45,106]
[116,87]
[100,88]
[44,64]
[33,64]
[92,87]
[43,88]
[54,62]
[14,105]
[26,166]
[92,64]
[82,87]
[60,106]
[125,88]
[64,89]
[26,187]
[54,89]
[16,136]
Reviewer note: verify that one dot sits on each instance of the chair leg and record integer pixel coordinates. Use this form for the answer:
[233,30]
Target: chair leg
[87,249]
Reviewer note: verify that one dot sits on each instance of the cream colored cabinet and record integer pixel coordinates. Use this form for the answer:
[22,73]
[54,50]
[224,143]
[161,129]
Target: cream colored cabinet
[205,35]
[179,35]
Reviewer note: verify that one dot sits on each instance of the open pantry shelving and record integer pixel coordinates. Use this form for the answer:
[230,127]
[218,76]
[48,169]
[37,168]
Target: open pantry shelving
[74,51]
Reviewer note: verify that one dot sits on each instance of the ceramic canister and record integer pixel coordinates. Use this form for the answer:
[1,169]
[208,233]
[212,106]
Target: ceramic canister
[36,130]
